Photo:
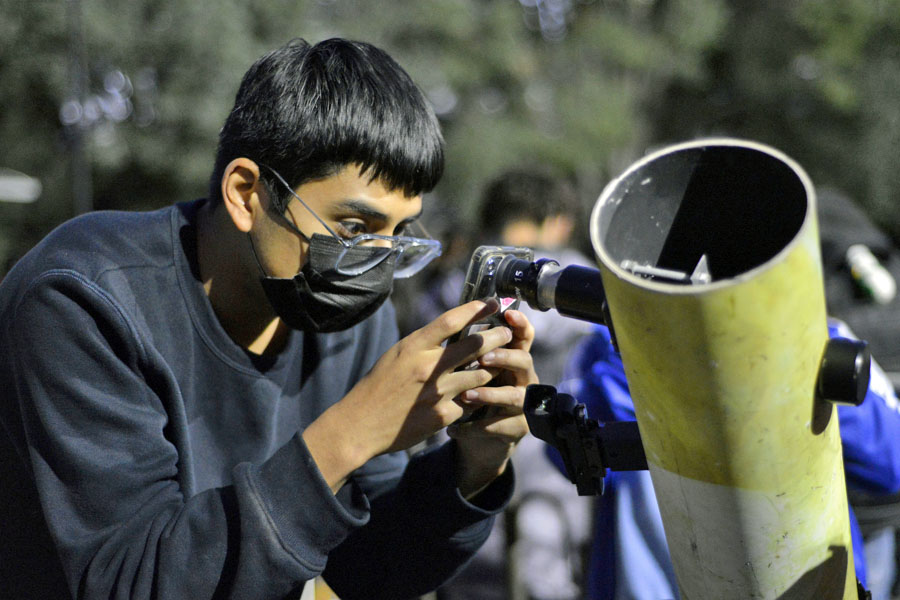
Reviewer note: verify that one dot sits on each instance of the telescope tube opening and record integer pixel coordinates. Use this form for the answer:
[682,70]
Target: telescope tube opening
[709,211]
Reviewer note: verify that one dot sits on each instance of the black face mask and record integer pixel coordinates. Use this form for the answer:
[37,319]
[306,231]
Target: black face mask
[318,299]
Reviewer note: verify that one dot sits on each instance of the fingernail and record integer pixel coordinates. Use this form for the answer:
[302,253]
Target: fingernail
[470,395]
[489,357]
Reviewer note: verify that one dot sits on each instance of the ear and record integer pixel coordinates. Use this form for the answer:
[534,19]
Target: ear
[241,188]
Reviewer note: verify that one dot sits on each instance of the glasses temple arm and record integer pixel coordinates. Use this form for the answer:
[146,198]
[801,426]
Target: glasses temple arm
[343,242]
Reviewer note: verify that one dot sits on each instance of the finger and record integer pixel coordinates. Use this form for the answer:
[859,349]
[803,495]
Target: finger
[509,398]
[449,411]
[477,345]
[462,356]
[507,359]
[455,320]
[458,383]
[492,426]
[523,330]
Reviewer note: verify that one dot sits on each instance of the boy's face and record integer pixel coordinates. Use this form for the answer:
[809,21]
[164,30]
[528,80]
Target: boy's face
[348,202]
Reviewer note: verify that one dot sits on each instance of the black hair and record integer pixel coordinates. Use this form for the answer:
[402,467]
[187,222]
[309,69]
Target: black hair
[526,193]
[309,111]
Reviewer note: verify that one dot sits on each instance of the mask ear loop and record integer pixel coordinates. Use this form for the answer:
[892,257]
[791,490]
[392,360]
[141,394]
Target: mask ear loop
[282,209]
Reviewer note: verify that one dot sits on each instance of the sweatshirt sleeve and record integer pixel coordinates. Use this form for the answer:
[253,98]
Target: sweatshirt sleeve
[88,416]
[422,531]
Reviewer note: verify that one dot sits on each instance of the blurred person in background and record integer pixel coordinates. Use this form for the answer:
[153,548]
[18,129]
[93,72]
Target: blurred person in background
[862,268]
[539,209]
[535,552]
[630,558]
[210,400]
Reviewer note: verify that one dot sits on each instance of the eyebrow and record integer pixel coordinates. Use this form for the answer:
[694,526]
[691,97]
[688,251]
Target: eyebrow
[365,209]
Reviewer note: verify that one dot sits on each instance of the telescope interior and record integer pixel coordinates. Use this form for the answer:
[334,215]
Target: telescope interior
[703,214]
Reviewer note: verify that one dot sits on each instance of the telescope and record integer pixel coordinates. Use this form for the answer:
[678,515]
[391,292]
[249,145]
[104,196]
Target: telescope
[710,281]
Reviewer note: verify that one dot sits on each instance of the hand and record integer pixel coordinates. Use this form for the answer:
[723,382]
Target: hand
[409,393]
[486,444]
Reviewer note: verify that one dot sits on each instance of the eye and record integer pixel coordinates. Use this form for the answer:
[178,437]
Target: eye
[351,228]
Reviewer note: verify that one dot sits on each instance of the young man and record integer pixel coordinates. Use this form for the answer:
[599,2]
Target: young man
[209,400]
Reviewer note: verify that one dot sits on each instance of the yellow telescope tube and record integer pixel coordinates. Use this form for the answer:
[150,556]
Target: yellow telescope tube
[709,256]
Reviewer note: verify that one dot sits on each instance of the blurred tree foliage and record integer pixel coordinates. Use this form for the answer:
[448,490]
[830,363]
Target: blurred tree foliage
[819,80]
[118,104]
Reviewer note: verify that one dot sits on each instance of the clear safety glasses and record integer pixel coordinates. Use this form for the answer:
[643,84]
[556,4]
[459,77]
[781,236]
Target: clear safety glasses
[411,253]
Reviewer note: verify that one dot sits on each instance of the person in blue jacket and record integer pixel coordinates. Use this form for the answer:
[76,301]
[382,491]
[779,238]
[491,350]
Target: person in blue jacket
[630,558]
[210,400]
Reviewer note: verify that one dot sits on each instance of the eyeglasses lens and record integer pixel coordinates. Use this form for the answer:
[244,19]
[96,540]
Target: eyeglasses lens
[356,260]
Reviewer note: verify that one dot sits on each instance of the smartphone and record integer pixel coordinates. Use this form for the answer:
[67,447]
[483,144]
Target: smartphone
[480,284]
